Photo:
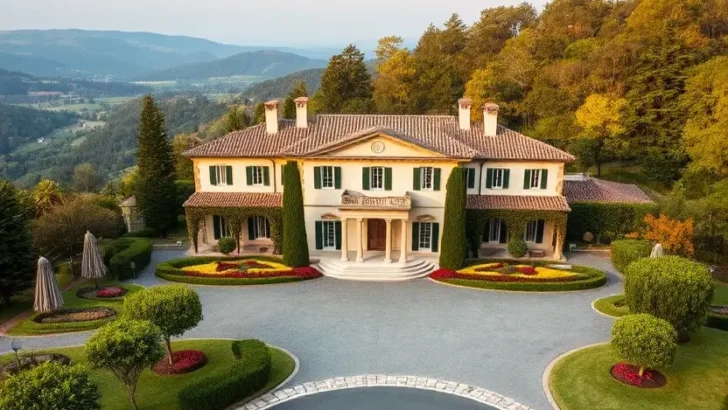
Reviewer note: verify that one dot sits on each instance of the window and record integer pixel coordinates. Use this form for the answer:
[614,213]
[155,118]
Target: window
[262,227]
[257,175]
[329,235]
[498,178]
[327,177]
[470,177]
[220,227]
[494,230]
[535,178]
[377,178]
[221,175]
[426,176]
[425,235]
[531,229]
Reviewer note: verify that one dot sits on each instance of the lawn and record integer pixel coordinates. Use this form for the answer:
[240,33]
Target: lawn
[29,327]
[160,392]
[20,303]
[697,379]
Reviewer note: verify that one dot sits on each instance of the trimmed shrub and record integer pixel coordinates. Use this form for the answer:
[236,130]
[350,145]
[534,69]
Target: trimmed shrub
[645,341]
[171,270]
[295,242]
[50,386]
[452,253]
[626,251]
[605,220]
[672,288]
[226,245]
[223,387]
[126,250]
[517,247]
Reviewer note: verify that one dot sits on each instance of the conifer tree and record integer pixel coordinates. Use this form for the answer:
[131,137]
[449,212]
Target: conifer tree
[258,114]
[16,252]
[236,119]
[346,84]
[454,249]
[295,242]
[155,189]
[289,105]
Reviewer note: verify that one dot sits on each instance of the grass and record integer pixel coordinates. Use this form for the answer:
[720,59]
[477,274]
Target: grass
[721,293]
[29,327]
[160,392]
[18,305]
[697,379]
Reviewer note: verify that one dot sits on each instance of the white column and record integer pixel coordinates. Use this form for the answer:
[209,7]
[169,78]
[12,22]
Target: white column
[388,247]
[559,243]
[359,243]
[403,242]
[344,241]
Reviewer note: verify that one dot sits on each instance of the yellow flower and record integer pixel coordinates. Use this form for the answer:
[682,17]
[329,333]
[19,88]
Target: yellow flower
[211,268]
[541,273]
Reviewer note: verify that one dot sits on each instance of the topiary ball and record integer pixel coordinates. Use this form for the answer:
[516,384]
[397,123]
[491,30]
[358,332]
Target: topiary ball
[644,340]
[517,247]
[226,245]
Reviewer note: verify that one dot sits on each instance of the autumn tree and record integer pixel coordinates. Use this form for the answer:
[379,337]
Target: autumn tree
[289,105]
[496,26]
[600,119]
[345,84]
[675,236]
[395,76]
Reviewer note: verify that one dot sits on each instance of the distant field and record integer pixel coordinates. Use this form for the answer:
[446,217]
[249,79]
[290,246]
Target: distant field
[115,100]
[66,133]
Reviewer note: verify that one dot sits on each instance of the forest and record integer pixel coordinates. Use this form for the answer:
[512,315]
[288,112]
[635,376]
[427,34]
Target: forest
[20,124]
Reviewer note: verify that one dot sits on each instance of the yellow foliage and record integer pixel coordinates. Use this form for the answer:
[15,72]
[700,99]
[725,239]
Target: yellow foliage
[675,236]
[600,115]
[541,272]
[211,268]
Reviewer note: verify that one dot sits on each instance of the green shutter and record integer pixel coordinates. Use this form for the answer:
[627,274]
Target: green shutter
[251,228]
[437,177]
[317,177]
[216,226]
[416,180]
[249,175]
[471,177]
[365,178]
[283,174]
[266,176]
[213,175]
[319,235]
[506,178]
[489,178]
[539,231]
[387,179]
[544,178]
[435,246]
[337,177]
[527,179]
[337,228]
[503,232]
[415,236]
[229,174]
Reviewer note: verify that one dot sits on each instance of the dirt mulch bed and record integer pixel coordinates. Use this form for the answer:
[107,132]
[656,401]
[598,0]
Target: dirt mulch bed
[185,361]
[103,293]
[75,315]
[629,374]
[27,362]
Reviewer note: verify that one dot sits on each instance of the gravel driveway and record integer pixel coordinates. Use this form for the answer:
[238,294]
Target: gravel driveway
[501,341]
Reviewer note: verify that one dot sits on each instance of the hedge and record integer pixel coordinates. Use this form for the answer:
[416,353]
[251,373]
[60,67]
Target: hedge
[452,256]
[717,321]
[606,221]
[626,251]
[593,278]
[295,242]
[224,387]
[123,251]
[171,270]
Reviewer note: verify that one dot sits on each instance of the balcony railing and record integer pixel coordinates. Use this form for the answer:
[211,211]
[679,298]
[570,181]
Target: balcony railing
[359,201]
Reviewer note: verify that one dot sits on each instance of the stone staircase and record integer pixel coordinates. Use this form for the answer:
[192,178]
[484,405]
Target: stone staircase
[376,271]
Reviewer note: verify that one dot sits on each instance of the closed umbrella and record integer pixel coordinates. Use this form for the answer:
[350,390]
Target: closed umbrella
[92,266]
[657,251]
[48,296]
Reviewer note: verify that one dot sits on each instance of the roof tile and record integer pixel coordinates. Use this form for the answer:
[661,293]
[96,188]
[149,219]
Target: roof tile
[234,200]
[598,190]
[518,202]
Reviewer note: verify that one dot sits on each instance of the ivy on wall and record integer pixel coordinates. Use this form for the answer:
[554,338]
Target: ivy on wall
[606,221]
[236,217]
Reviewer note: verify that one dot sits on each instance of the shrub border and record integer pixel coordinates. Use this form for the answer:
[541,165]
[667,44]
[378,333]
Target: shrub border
[170,270]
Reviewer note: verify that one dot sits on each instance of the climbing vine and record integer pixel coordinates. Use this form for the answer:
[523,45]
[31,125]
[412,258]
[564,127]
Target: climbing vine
[236,217]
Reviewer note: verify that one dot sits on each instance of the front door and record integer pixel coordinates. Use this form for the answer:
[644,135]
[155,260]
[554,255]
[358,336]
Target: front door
[377,234]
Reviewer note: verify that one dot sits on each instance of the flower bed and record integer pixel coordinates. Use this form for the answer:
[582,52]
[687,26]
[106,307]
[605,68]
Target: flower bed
[514,275]
[108,292]
[185,361]
[233,271]
[66,315]
[630,374]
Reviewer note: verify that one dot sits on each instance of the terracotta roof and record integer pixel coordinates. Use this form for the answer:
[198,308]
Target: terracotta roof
[518,202]
[438,133]
[234,200]
[129,202]
[586,189]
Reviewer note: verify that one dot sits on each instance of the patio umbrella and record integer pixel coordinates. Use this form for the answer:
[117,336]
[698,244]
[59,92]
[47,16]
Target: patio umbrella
[92,265]
[657,251]
[48,296]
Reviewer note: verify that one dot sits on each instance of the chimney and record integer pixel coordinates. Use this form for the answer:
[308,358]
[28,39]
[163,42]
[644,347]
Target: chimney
[301,112]
[271,117]
[464,113]
[490,119]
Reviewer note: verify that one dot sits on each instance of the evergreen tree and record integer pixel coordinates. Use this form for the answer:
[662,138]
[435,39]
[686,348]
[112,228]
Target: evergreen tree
[259,114]
[236,119]
[455,247]
[295,243]
[289,105]
[346,84]
[155,189]
[16,251]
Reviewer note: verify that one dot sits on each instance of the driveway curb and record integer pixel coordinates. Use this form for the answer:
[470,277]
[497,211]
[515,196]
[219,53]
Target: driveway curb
[547,373]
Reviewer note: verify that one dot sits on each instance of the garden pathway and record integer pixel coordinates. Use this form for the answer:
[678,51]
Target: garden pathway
[501,341]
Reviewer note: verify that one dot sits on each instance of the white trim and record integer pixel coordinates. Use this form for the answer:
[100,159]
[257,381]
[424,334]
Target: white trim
[259,169]
[423,170]
[371,178]
[502,178]
[323,178]
[324,235]
[419,237]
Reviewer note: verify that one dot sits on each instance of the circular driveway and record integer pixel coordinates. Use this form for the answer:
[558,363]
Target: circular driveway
[501,341]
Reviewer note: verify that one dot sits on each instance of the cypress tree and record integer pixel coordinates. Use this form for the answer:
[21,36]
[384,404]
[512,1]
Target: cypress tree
[155,189]
[289,105]
[16,251]
[346,86]
[295,241]
[452,254]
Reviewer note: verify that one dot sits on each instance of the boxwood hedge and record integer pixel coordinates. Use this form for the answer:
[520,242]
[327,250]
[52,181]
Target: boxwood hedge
[626,251]
[121,252]
[226,386]
[171,270]
[605,220]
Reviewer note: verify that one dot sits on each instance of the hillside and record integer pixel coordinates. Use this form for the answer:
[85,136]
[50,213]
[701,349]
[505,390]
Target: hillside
[21,124]
[280,87]
[256,63]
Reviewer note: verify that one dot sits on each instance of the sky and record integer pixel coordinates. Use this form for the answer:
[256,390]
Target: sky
[306,23]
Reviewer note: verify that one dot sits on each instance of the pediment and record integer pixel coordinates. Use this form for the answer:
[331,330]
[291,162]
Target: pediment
[380,144]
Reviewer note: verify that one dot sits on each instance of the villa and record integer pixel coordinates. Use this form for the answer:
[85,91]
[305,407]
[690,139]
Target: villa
[374,185]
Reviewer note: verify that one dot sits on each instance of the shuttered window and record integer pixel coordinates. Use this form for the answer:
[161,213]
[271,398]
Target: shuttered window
[257,175]
[497,178]
[425,236]
[470,177]
[220,227]
[535,179]
[534,231]
[221,175]
[328,235]
[258,228]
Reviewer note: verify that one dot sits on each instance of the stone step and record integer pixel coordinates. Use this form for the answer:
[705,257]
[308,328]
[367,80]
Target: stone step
[376,270]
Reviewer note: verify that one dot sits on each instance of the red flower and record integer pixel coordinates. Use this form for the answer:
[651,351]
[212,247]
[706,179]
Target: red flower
[527,270]
[110,292]
[631,374]
[185,361]
[443,273]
